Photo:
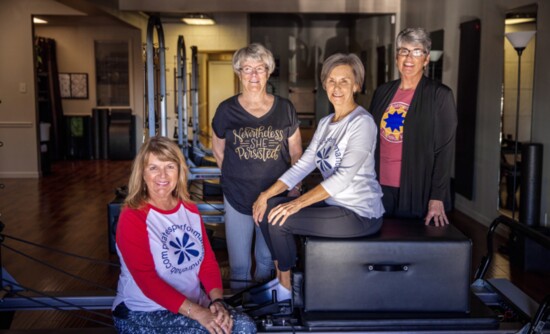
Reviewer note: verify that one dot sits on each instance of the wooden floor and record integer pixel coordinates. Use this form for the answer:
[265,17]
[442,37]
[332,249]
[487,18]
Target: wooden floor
[67,210]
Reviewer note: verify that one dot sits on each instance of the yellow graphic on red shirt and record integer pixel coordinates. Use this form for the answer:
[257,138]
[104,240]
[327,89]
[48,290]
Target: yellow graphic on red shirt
[393,120]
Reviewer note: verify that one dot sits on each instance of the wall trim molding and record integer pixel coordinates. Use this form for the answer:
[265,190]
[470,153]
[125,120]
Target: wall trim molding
[19,175]
[16,124]
[465,206]
[462,205]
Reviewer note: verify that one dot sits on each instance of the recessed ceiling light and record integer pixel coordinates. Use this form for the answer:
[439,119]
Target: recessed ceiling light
[517,18]
[198,19]
[38,21]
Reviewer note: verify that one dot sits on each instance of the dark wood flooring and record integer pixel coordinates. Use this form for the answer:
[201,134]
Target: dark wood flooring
[67,210]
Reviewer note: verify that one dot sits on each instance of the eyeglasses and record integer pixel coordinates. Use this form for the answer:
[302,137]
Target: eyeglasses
[249,69]
[416,53]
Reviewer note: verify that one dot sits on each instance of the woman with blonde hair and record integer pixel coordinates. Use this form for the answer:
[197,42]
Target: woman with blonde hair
[170,281]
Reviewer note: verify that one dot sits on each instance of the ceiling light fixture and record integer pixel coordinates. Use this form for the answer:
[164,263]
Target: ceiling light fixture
[517,18]
[36,20]
[198,20]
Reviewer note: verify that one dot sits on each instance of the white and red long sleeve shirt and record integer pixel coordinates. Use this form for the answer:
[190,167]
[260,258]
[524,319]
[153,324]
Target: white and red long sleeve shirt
[165,256]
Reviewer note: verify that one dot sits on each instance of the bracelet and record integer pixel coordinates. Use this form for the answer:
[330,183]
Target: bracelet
[218,300]
[189,310]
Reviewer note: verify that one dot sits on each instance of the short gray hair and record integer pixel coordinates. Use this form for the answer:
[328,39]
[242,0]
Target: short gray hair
[254,51]
[338,59]
[414,36]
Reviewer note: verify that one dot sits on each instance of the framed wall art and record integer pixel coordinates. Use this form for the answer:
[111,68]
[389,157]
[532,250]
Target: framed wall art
[73,85]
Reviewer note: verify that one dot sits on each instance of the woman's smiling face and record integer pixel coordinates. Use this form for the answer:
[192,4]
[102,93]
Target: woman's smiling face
[409,65]
[256,79]
[161,177]
[340,86]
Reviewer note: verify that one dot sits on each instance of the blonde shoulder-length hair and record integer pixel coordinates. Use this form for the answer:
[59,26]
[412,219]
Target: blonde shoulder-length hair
[165,150]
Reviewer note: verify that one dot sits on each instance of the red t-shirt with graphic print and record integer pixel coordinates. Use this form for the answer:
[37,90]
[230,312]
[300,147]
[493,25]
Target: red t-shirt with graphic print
[391,137]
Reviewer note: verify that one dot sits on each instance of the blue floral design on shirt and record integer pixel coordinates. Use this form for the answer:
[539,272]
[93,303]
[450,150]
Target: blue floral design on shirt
[184,249]
[323,156]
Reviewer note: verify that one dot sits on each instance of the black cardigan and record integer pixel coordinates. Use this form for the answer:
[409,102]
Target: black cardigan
[428,143]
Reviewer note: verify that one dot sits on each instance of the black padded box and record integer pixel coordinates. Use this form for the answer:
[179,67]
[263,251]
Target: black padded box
[406,267]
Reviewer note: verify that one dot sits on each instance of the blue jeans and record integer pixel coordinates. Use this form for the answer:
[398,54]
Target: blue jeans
[166,322]
[240,231]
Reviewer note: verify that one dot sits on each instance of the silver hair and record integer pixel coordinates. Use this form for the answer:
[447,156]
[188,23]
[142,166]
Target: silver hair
[414,36]
[254,51]
[338,59]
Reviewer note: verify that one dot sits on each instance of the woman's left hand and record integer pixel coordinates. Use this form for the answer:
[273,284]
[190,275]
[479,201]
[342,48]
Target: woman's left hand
[436,211]
[223,317]
[258,209]
[281,212]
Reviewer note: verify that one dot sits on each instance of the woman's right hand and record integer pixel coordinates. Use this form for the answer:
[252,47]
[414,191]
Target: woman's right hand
[258,208]
[210,320]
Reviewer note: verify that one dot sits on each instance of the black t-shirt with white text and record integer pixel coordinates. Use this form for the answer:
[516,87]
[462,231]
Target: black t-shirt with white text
[256,149]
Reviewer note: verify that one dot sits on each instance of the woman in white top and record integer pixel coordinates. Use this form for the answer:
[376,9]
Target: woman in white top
[347,203]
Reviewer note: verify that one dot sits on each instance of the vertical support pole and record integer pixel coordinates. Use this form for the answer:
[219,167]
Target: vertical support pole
[152,25]
[195,95]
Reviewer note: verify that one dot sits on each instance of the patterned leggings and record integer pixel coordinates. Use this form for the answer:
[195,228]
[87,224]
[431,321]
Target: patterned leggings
[166,322]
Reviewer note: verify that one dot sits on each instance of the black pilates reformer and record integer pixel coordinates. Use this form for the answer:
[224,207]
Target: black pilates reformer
[401,250]
[409,278]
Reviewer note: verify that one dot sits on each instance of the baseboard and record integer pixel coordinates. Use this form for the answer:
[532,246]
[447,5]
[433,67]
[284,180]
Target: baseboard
[463,205]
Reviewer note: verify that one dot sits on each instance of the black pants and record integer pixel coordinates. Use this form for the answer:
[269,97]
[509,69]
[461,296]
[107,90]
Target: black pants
[390,200]
[320,220]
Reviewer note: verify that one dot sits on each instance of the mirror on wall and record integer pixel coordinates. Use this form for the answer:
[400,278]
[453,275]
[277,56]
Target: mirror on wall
[112,66]
[516,115]
[435,69]
[300,43]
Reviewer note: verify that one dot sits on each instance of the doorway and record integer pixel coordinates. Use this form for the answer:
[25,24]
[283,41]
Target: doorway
[217,82]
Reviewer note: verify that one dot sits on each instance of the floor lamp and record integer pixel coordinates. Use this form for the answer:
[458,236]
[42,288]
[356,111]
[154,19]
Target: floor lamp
[435,55]
[519,41]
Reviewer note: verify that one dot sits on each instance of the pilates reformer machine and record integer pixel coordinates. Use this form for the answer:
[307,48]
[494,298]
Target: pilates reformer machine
[196,149]
[194,152]
[408,278]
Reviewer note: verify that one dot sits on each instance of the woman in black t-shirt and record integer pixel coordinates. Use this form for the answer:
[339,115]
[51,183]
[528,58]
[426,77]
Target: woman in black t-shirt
[256,139]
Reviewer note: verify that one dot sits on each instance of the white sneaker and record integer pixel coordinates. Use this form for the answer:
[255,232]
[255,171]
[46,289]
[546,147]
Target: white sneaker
[283,293]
